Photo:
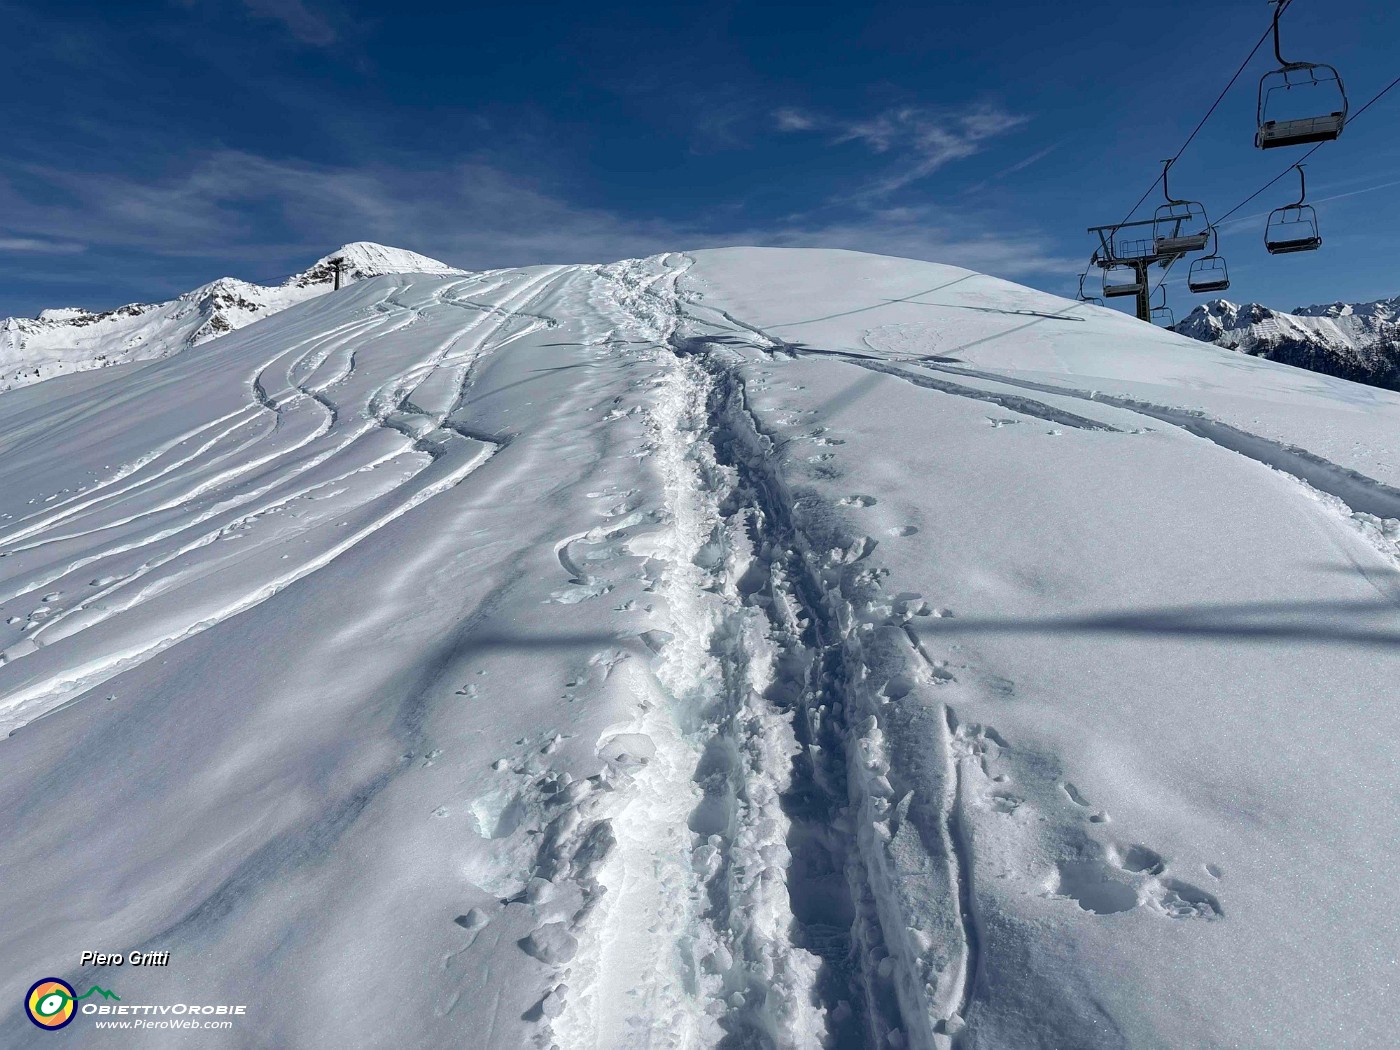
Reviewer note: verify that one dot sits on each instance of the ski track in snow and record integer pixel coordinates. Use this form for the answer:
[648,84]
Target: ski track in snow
[212,505]
[1371,506]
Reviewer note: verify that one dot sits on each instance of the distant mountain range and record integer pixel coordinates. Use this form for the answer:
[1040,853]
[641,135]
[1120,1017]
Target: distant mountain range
[73,339]
[1360,342]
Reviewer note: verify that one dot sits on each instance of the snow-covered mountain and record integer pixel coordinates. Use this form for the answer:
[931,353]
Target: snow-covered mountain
[739,648]
[1358,342]
[72,339]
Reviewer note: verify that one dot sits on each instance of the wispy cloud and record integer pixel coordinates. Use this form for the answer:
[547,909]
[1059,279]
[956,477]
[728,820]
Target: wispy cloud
[304,23]
[301,21]
[42,247]
[260,218]
[1020,165]
[794,120]
[922,139]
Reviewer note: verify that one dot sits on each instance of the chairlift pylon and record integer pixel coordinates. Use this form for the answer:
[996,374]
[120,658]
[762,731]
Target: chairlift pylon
[1209,273]
[1316,82]
[1179,226]
[1293,228]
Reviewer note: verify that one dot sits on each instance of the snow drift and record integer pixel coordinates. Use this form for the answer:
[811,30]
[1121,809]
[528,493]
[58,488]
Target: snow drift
[737,648]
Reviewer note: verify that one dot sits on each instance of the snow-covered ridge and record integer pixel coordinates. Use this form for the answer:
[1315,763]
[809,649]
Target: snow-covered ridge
[1360,342]
[73,339]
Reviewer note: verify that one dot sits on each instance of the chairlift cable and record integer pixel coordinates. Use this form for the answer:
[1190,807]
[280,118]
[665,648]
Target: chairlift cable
[1213,107]
[1165,270]
[1220,221]
[1376,98]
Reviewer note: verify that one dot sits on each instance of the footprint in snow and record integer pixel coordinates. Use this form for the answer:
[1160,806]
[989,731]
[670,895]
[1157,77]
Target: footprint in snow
[1181,900]
[1138,858]
[1136,877]
[475,919]
[1127,878]
[1005,802]
[1083,803]
[627,751]
[1094,887]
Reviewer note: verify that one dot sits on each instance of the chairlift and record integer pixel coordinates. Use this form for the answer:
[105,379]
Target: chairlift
[1179,226]
[1163,315]
[1120,280]
[1209,273]
[1282,120]
[1293,228]
[1085,297]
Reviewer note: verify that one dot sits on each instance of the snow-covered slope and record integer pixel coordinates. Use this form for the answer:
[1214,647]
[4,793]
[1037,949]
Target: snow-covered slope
[743,648]
[1357,342]
[71,339]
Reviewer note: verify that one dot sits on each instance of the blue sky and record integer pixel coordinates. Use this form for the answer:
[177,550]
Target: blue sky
[153,145]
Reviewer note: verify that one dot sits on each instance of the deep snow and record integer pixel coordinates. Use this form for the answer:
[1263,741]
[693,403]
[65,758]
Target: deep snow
[748,647]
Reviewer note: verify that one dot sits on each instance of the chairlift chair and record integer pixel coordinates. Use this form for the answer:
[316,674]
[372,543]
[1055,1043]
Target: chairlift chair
[1209,273]
[1293,228]
[1120,280]
[1179,226]
[1317,83]
[1085,297]
[1163,315]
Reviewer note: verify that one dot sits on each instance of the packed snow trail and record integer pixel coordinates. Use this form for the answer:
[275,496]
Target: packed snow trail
[745,648]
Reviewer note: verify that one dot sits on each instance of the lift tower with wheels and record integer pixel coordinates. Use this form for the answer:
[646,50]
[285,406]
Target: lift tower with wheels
[1125,261]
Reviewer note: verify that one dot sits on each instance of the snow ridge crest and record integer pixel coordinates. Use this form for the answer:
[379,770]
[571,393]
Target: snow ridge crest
[75,339]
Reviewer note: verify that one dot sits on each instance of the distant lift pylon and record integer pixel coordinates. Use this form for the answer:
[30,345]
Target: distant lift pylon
[1125,259]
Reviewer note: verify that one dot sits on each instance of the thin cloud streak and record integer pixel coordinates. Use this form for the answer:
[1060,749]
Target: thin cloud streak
[41,247]
[305,25]
[924,139]
[1253,218]
[299,20]
[1020,165]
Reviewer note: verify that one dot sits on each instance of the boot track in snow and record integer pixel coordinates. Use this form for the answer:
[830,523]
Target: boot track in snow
[794,878]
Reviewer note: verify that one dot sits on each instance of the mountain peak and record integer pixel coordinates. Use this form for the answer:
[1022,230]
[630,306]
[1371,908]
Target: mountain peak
[73,339]
[1357,341]
[361,260]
